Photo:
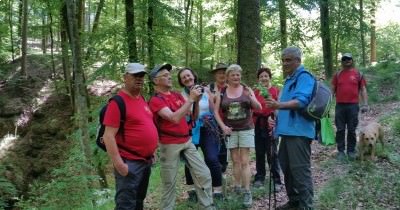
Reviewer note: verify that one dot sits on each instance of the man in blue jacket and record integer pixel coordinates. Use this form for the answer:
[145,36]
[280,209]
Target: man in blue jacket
[295,130]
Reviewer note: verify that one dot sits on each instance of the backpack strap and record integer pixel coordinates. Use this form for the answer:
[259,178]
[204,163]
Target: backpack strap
[122,110]
[293,85]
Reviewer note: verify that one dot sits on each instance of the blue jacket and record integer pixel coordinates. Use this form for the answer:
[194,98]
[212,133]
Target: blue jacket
[291,122]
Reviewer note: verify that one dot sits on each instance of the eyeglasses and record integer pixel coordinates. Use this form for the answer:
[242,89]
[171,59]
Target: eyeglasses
[163,75]
[346,59]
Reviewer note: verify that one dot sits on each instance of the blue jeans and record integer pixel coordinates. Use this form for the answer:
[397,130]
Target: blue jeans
[131,189]
[346,116]
[209,144]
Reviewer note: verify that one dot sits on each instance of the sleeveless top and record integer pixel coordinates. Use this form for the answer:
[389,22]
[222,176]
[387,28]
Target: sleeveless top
[237,112]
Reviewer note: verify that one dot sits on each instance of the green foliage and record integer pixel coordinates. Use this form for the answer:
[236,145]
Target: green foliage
[68,189]
[389,42]
[7,189]
[396,126]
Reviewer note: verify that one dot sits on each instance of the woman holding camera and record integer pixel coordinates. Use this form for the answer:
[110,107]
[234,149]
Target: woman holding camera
[204,133]
[237,102]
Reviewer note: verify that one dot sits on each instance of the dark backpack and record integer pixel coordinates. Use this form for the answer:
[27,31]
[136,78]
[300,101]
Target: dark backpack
[101,128]
[321,100]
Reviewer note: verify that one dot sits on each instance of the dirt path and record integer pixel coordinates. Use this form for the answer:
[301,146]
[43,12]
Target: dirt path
[321,153]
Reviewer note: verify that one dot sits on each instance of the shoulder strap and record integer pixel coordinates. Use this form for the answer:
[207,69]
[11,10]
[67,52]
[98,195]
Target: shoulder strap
[212,87]
[293,85]
[122,110]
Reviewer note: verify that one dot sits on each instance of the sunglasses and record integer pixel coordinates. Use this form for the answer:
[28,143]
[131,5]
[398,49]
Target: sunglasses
[346,59]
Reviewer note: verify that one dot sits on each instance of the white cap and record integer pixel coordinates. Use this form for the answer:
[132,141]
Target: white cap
[134,68]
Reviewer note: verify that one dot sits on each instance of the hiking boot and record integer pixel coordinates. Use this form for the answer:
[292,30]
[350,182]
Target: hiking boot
[218,196]
[351,156]
[247,199]
[192,196]
[341,156]
[290,205]
[258,183]
[237,190]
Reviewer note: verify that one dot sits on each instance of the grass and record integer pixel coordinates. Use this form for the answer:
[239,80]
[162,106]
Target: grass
[366,185]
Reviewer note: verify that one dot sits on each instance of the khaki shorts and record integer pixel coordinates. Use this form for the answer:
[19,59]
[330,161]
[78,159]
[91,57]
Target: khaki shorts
[241,139]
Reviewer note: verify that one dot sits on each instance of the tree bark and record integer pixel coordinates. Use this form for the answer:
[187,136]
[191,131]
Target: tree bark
[65,55]
[283,25]
[24,37]
[130,30]
[200,7]
[53,65]
[188,20]
[373,34]
[11,29]
[362,35]
[82,112]
[249,38]
[95,26]
[150,41]
[44,34]
[326,38]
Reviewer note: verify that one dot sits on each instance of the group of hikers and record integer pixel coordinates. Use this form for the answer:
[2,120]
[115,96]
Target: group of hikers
[223,116]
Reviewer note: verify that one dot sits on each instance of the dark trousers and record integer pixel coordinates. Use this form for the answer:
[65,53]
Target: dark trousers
[295,160]
[346,116]
[131,189]
[209,144]
[223,154]
[265,144]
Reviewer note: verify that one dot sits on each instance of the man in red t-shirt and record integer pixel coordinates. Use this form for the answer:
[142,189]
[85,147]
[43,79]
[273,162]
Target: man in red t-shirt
[348,85]
[132,153]
[171,109]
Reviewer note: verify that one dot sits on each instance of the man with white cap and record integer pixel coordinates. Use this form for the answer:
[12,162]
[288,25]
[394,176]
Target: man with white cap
[132,150]
[171,110]
[348,85]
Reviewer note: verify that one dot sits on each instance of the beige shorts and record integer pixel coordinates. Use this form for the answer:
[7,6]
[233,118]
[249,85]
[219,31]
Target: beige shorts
[241,139]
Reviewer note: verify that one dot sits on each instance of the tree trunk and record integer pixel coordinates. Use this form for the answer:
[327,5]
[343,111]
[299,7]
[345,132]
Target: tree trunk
[44,34]
[11,29]
[19,29]
[53,65]
[249,38]
[95,26]
[283,25]
[326,38]
[201,35]
[337,35]
[150,42]
[362,37]
[65,57]
[24,37]
[188,20]
[130,30]
[82,112]
[373,34]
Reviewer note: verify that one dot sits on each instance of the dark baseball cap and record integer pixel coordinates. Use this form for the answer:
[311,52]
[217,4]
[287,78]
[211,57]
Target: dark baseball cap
[153,73]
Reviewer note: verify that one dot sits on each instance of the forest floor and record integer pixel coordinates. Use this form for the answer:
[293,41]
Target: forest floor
[42,140]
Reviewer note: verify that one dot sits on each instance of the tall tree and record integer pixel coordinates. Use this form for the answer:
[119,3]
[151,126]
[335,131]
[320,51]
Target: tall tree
[24,36]
[362,35]
[80,90]
[95,26]
[10,22]
[65,57]
[130,30]
[150,41]
[283,25]
[188,21]
[326,37]
[373,34]
[249,37]
[53,65]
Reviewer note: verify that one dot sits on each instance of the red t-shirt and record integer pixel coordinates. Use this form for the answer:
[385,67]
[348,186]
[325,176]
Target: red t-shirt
[346,85]
[171,133]
[265,111]
[140,132]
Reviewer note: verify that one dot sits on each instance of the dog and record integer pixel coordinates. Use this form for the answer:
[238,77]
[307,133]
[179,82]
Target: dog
[369,135]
